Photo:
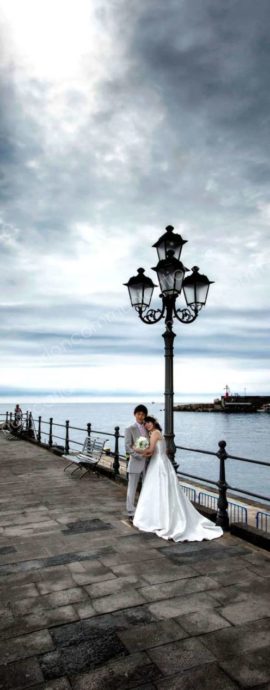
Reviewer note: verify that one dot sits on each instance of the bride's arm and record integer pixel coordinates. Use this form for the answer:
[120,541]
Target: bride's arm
[155,437]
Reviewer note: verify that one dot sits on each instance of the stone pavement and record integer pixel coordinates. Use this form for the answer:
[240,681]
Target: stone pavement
[88,603]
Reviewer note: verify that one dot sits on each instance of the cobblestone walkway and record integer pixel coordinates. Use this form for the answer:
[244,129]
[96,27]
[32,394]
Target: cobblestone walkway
[89,603]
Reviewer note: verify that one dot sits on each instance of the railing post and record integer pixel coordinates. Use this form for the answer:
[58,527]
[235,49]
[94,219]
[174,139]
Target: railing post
[222,513]
[6,417]
[51,432]
[27,421]
[30,425]
[67,437]
[116,451]
[39,430]
[89,430]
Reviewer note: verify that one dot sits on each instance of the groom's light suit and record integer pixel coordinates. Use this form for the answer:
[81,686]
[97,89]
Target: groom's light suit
[136,465]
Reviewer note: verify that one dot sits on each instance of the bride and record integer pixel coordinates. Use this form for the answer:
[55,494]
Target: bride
[163,507]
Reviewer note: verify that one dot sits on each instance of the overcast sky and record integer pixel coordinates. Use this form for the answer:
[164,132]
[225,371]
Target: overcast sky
[119,117]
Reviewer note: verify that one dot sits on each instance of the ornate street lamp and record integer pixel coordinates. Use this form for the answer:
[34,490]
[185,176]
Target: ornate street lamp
[171,277]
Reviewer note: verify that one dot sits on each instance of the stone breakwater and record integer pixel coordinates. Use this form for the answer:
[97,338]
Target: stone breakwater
[231,403]
[198,407]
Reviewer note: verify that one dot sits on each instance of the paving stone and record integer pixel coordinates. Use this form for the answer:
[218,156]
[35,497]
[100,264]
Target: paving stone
[234,641]
[39,604]
[250,610]
[82,657]
[262,569]
[189,555]
[149,686]
[122,674]
[134,616]
[251,669]
[51,665]
[230,595]
[59,684]
[211,567]
[20,674]
[86,526]
[76,567]
[41,563]
[225,579]
[4,550]
[52,617]
[177,587]
[68,558]
[202,622]
[22,566]
[121,600]
[65,635]
[179,656]
[81,631]
[85,610]
[155,571]
[119,584]
[6,620]
[87,578]
[144,637]
[72,595]
[131,556]
[194,547]
[17,593]
[171,608]
[54,579]
[25,646]
[205,677]
[93,567]
[258,557]
[145,687]
[138,539]
[30,605]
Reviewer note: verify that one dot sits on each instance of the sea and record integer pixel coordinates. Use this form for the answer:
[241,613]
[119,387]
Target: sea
[246,435]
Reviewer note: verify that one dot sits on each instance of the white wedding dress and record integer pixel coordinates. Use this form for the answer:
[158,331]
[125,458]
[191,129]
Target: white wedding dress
[164,509]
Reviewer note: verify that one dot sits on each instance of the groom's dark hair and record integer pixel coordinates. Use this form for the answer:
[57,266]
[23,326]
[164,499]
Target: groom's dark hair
[141,408]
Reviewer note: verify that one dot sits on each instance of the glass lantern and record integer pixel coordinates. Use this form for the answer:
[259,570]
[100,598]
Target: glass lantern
[170,273]
[140,289]
[196,288]
[169,241]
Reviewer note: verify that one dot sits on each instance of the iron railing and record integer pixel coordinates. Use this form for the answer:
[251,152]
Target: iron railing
[236,512]
[263,521]
[34,429]
[222,485]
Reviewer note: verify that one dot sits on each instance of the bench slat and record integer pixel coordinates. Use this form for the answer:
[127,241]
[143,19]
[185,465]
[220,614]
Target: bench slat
[91,453]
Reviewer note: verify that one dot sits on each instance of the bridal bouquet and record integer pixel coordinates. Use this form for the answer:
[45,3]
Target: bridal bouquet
[142,443]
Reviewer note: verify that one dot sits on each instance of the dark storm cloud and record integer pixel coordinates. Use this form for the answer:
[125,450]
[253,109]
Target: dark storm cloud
[210,65]
[202,52]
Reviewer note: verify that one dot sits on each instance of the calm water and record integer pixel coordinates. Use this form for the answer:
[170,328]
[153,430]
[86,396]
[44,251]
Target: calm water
[246,435]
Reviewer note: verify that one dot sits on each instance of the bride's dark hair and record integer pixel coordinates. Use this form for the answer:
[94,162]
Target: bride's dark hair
[154,421]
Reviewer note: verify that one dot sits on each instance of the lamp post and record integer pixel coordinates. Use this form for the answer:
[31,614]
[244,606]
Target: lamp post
[171,277]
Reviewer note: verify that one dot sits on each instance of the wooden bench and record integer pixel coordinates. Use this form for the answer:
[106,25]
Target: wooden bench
[89,456]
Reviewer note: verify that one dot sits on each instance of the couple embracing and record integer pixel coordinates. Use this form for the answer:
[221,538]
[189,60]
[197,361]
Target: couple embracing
[163,507]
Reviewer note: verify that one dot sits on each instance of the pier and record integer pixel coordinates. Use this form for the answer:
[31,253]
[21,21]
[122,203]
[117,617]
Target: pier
[88,602]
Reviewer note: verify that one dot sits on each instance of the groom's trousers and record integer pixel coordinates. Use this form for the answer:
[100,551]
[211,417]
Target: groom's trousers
[133,481]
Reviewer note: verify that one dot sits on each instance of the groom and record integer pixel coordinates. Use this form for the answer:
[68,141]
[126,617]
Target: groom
[136,465]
